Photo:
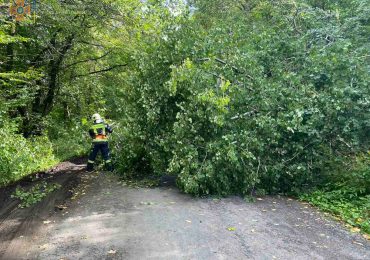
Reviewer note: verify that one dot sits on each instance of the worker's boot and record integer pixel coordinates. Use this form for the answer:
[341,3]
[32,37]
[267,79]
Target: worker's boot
[90,167]
[109,166]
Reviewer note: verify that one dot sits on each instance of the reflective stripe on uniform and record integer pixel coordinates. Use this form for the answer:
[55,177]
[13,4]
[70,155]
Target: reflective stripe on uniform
[99,131]
[100,140]
[98,126]
[108,161]
[89,161]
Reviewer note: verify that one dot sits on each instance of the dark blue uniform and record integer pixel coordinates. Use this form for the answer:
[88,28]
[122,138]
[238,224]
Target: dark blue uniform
[99,133]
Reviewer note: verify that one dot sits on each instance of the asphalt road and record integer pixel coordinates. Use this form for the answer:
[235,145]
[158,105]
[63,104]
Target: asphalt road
[106,219]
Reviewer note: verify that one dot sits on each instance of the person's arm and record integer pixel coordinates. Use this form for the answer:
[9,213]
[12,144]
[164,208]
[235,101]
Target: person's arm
[91,133]
[108,128]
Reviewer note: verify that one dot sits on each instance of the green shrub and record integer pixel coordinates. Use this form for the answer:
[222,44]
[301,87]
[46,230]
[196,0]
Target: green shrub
[69,138]
[347,194]
[354,210]
[68,146]
[20,156]
[35,194]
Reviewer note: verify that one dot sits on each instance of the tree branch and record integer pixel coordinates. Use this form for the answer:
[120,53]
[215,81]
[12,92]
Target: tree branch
[91,43]
[235,69]
[87,60]
[100,71]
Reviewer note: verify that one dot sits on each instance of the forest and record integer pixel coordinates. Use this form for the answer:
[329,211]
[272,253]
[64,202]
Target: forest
[233,97]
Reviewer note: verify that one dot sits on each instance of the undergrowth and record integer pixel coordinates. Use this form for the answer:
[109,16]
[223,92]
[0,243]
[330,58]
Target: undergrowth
[69,139]
[347,196]
[31,196]
[20,157]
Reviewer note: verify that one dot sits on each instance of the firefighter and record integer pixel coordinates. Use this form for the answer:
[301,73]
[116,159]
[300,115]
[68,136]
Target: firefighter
[99,133]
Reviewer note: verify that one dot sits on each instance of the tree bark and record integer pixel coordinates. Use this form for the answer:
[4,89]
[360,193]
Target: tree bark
[10,51]
[55,66]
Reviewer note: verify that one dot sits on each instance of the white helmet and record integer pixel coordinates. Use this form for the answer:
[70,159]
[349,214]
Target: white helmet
[97,118]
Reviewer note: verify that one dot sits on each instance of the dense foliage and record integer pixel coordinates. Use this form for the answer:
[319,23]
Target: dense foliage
[347,194]
[49,82]
[231,96]
[263,94]
[20,157]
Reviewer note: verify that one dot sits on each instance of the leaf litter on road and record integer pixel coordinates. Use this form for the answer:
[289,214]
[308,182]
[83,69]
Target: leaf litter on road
[147,203]
[112,252]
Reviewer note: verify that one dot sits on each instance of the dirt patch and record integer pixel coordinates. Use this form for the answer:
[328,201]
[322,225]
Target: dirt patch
[19,226]
[28,181]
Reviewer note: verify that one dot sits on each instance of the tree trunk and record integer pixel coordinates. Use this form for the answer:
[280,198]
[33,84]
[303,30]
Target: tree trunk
[55,66]
[10,51]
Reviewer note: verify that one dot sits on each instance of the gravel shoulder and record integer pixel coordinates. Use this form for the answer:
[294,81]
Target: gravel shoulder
[106,219]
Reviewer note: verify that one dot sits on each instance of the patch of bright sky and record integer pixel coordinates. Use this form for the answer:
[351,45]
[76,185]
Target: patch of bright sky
[176,7]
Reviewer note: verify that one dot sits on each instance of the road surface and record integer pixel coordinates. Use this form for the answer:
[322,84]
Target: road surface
[107,219]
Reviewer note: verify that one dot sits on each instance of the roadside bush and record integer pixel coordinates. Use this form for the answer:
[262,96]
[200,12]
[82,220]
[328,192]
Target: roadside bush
[20,156]
[67,148]
[69,140]
[347,194]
